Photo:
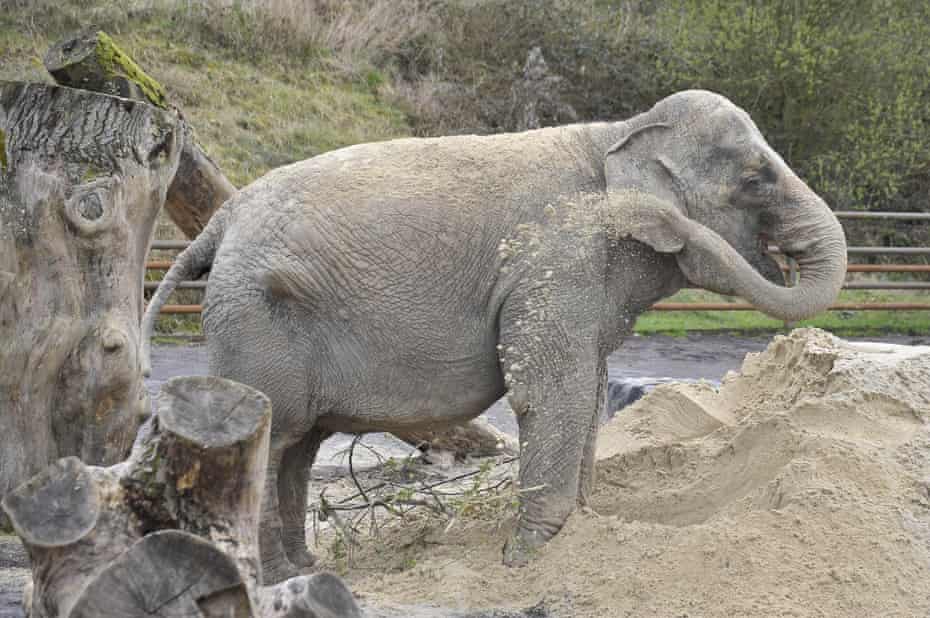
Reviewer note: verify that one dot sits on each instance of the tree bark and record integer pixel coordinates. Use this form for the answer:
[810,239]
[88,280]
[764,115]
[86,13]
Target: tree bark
[82,177]
[92,61]
[174,529]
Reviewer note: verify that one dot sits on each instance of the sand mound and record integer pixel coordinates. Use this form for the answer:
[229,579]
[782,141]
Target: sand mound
[800,487]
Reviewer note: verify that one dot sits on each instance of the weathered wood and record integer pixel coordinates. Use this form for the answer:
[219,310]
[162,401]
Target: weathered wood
[92,61]
[82,177]
[477,438]
[206,462]
[56,507]
[166,573]
[198,190]
[316,596]
[173,530]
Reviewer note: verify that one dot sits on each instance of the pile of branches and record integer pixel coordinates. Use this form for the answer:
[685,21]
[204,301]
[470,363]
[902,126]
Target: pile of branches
[400,492]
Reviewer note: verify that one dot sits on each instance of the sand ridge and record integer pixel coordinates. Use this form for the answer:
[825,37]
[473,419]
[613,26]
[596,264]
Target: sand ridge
[799,487]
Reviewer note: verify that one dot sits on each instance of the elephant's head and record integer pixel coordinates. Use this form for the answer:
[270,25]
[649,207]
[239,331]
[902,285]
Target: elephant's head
[694,177]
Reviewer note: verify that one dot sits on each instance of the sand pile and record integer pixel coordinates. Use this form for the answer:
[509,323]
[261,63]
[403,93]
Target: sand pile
[800,487]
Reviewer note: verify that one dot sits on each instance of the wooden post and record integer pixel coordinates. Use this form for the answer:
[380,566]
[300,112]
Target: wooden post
[82,177]
[174,529]
[92,61]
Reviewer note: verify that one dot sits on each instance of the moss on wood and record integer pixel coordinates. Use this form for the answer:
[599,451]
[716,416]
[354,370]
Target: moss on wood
[116,63]
[2,151]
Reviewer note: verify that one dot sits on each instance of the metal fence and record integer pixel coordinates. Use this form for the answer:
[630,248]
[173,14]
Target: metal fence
[178,245]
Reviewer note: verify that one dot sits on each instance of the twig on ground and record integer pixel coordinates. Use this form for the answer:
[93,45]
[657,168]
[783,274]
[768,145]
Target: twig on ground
[400,499]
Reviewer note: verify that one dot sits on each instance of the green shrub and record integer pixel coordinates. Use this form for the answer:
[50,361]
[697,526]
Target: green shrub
[839,87]
[472,62]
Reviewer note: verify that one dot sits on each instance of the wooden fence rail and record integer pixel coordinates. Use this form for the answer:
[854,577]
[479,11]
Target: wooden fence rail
[177,245]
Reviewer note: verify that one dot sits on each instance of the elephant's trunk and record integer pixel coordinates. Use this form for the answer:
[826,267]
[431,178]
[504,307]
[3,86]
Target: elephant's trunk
[805,230]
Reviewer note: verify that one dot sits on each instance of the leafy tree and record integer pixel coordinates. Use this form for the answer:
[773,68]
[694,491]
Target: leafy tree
[839,87]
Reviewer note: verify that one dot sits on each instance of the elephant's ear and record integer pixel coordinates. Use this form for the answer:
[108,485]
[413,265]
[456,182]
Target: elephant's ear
[644,203]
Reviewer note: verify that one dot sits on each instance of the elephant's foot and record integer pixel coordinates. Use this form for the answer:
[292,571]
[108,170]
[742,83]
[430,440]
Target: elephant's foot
[523,545]
[300,556]
[276,571]
[276,563]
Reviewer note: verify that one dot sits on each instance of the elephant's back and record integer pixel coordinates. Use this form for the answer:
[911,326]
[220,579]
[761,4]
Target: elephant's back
[418,221]
[478,174]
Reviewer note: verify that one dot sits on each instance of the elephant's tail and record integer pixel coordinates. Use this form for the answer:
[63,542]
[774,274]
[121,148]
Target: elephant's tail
[192,263]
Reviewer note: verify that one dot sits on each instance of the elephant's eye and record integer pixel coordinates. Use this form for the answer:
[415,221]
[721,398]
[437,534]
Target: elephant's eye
[753,184]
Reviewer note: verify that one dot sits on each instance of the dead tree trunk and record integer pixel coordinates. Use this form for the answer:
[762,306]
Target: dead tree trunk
[174,529]
[92,61]
[82,177]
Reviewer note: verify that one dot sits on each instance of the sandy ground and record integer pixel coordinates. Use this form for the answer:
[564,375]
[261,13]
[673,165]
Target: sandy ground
[800,487]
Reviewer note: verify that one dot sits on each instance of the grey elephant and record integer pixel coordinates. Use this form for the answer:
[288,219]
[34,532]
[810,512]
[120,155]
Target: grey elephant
[413,282]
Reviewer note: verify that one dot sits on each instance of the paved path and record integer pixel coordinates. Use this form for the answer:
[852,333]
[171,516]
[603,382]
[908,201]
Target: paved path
[636,366]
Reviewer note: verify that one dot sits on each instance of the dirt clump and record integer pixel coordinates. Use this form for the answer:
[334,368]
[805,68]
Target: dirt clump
[799,487]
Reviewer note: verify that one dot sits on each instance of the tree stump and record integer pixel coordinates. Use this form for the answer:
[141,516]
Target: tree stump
[173,530]
[82,177]
[91,60]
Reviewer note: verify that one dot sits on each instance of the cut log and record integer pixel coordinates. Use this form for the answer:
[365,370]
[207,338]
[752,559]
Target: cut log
[82,177]
[206,460]
[167,573]
[92,61]
[477,438]
[318,596]
[173,530]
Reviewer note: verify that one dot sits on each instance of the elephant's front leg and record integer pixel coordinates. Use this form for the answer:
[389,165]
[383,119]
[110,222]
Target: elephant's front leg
[553,379]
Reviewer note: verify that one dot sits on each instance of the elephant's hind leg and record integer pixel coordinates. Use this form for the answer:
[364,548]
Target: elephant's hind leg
[254,348]
[292,494]
[276,566]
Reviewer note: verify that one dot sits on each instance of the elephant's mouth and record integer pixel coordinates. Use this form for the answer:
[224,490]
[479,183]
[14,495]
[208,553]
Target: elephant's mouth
[771,261]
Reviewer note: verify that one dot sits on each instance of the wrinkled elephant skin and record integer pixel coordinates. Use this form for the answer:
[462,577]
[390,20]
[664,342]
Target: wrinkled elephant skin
[411,283]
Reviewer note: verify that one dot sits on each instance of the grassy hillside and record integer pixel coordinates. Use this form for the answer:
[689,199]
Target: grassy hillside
[251,111]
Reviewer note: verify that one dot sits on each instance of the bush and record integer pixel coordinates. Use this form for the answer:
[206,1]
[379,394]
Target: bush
[463,75]
[839,87]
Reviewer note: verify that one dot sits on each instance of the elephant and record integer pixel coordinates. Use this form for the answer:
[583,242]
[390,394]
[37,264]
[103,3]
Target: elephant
[413,282]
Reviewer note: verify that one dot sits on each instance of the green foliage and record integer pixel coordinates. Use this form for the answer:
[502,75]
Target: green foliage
[839,87]
[601,55]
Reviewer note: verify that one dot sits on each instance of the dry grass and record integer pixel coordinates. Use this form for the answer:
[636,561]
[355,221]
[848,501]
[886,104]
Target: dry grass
[351,36]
